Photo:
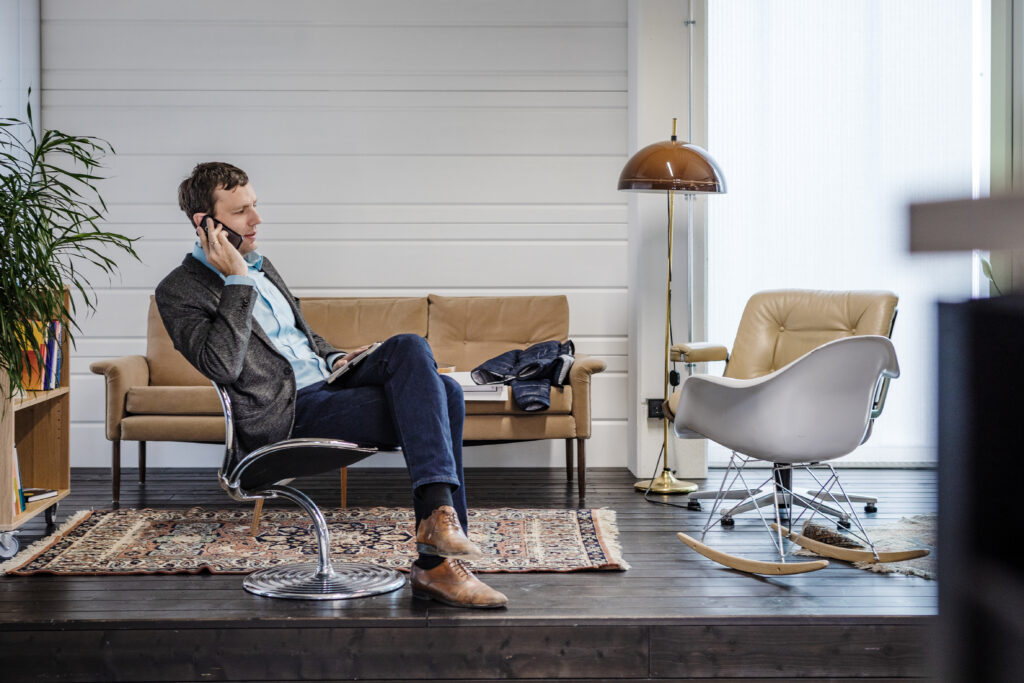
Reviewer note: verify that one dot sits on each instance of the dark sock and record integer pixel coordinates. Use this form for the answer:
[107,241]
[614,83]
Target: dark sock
[426,499]
[429,497]
[428,562]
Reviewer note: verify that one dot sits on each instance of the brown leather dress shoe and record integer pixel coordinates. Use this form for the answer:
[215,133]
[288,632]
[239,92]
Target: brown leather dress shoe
[442,535]
[453,584]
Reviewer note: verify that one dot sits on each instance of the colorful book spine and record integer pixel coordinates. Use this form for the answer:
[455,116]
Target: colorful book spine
[19,498]
[33,377]
[54,355]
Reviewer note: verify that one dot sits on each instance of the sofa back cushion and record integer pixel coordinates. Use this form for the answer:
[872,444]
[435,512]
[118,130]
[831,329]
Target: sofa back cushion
[348,323]
[167,367]
[466,331]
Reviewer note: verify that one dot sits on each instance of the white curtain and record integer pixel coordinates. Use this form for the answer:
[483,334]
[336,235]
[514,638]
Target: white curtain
[828,119]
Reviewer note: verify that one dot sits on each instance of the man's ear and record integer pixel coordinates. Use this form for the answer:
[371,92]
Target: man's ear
[196,217]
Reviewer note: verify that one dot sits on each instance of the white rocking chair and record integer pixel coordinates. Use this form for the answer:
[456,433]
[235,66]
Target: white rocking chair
[818,408]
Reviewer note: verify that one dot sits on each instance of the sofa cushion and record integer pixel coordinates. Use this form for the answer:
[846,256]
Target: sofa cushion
[466,331]
[188,428]
[173,401]
[518,427]
[167,367]
[561,404]
[351,322]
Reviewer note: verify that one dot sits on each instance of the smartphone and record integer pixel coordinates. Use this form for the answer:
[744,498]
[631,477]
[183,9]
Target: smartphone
[233,237]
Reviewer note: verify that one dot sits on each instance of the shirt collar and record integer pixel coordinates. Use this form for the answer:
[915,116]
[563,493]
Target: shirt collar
[253,258]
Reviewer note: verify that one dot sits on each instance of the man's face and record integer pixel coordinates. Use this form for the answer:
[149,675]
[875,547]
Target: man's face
[236,208]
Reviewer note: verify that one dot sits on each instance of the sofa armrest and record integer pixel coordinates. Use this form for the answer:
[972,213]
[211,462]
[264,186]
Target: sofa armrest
[122,374]
[579,379]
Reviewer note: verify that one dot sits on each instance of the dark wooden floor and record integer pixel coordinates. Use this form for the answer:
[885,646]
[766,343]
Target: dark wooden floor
[674,615]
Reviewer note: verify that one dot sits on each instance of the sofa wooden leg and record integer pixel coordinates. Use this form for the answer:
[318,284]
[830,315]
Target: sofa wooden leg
[568,459]
[256,512]
[115,470]
[581,465]
[344,488]
[142,463]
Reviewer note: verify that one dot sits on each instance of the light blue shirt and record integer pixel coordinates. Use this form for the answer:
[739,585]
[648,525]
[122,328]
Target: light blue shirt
[275,316]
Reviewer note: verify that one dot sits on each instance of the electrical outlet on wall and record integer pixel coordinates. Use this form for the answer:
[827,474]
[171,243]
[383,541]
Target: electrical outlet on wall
[654,408]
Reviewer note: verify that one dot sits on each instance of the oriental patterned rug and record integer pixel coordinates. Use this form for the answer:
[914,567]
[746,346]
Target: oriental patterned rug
[218,541]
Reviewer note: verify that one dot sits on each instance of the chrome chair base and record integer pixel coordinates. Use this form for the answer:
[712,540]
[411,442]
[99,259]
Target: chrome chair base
[301,581]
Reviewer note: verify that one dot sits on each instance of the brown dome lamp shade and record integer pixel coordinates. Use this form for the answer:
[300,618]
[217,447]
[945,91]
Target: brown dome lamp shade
[672,165]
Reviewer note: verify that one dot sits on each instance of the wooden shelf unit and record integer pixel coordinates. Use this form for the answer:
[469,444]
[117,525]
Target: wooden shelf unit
[38,425]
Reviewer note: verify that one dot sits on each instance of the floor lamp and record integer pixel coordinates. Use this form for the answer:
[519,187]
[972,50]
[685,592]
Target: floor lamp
[672,166]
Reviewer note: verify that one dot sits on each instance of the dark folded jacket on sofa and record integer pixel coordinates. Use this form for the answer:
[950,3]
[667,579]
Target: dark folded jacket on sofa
[530,372]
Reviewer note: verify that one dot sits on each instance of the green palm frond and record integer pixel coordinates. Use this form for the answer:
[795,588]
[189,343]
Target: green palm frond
[50,216]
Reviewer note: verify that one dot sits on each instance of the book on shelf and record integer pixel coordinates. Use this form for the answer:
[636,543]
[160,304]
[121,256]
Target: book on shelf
[33,376]
[30,495]
[54,355]
[19,501]
[479,392]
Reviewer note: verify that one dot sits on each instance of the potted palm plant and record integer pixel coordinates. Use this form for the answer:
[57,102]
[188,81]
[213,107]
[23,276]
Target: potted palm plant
[50,235]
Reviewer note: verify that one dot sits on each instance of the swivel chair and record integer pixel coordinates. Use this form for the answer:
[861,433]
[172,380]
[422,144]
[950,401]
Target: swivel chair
[818,408]
[265,473]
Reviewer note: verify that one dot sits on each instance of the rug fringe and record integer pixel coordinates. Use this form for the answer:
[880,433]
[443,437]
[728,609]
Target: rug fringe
[26,555]
[610,535]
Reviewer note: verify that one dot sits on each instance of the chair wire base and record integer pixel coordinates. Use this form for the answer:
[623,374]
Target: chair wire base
[782,498]
[345,580]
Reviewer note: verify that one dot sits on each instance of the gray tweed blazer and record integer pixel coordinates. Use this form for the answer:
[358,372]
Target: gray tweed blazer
[212,325]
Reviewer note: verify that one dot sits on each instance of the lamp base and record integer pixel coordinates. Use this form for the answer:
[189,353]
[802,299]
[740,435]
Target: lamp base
[666,483]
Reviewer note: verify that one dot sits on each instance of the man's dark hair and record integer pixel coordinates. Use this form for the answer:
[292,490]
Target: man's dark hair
[196,193]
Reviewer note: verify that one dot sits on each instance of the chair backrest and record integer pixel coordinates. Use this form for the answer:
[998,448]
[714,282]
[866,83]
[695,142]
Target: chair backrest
[818,408]
[167,367]
[241,474]
[779,326]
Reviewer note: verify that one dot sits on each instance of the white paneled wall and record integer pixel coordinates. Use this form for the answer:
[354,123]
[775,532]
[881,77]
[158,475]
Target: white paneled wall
[397,148]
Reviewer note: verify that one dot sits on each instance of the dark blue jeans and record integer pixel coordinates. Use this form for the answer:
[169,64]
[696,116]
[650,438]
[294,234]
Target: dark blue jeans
[395,397]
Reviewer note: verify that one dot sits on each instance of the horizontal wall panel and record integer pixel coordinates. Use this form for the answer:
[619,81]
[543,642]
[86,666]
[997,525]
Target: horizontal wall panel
[382,179]
[485,101]
[221,126]
[281,228]
[342,211]
[352,12]
[214,80]
[122,312]
[273,47]
[422,263]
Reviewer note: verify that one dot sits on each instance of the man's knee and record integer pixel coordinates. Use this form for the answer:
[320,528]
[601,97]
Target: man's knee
[412,343]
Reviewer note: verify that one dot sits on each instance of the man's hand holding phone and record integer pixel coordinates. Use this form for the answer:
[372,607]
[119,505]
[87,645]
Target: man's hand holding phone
[220,244]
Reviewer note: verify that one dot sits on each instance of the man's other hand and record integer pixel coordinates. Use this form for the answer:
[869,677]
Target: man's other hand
[350,355]
[219,252]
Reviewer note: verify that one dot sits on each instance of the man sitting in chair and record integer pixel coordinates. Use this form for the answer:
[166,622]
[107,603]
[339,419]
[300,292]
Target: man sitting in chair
[229,312]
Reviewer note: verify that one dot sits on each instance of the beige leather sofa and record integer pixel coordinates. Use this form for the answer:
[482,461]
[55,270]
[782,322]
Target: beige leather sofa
[161,397]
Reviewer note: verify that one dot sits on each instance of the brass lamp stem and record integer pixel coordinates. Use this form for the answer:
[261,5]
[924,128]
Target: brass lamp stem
[666,482]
